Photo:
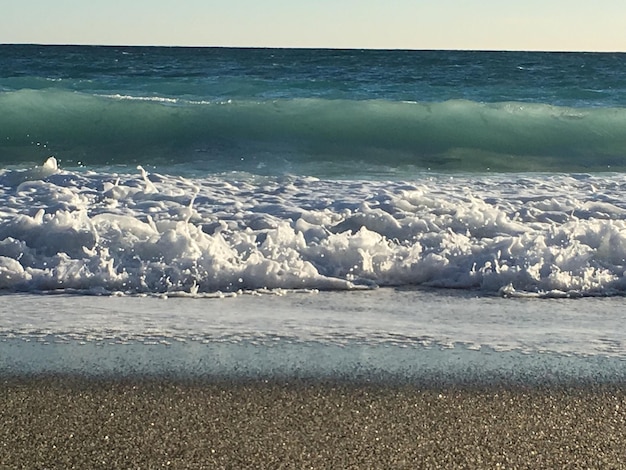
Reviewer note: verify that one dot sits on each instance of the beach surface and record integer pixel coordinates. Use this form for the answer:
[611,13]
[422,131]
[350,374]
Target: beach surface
[73,422]
[374,379]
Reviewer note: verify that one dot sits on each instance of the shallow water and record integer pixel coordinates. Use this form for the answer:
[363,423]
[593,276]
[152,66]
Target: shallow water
[386,334]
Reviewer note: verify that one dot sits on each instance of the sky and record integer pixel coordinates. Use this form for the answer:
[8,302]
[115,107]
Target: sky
[571,25]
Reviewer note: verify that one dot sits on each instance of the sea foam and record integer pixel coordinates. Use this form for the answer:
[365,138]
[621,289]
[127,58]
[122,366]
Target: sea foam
[162,234]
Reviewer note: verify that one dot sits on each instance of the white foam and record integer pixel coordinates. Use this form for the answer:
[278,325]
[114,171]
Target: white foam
[151,233]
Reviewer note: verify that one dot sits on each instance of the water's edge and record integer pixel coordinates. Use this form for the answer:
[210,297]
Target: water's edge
[388,335]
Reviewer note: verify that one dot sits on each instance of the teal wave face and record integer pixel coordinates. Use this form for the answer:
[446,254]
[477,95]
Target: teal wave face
[295,135]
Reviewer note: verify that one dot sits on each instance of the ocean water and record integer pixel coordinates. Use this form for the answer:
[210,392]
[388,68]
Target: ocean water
[345,176]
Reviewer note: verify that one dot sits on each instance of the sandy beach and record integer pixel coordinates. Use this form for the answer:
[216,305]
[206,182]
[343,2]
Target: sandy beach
[115,397]
[73,422]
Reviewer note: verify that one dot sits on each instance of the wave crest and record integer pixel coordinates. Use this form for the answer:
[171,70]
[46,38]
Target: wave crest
[283,135]
[171,235]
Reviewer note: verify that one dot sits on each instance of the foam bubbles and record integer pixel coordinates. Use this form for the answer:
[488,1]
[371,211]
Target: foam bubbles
[158,234]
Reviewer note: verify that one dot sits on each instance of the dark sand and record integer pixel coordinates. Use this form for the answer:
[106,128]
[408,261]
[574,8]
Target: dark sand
[148,423]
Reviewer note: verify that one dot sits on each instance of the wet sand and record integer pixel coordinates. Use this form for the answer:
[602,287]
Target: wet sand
[73,422]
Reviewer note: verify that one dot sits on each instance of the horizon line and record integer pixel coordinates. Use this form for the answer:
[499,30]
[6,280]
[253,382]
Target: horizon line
[329,48]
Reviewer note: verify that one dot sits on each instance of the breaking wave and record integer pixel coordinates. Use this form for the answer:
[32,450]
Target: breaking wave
[280,136]
[156,234]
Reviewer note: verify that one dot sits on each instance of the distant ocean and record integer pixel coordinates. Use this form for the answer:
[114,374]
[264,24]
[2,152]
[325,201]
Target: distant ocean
[154,172]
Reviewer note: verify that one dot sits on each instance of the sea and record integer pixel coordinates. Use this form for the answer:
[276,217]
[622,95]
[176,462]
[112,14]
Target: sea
[313,213]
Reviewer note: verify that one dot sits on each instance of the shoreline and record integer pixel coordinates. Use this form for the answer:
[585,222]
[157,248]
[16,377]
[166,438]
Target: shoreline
[56,421]
[385,379]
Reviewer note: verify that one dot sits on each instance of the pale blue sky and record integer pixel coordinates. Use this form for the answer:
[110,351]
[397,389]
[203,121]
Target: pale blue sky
[417,24]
